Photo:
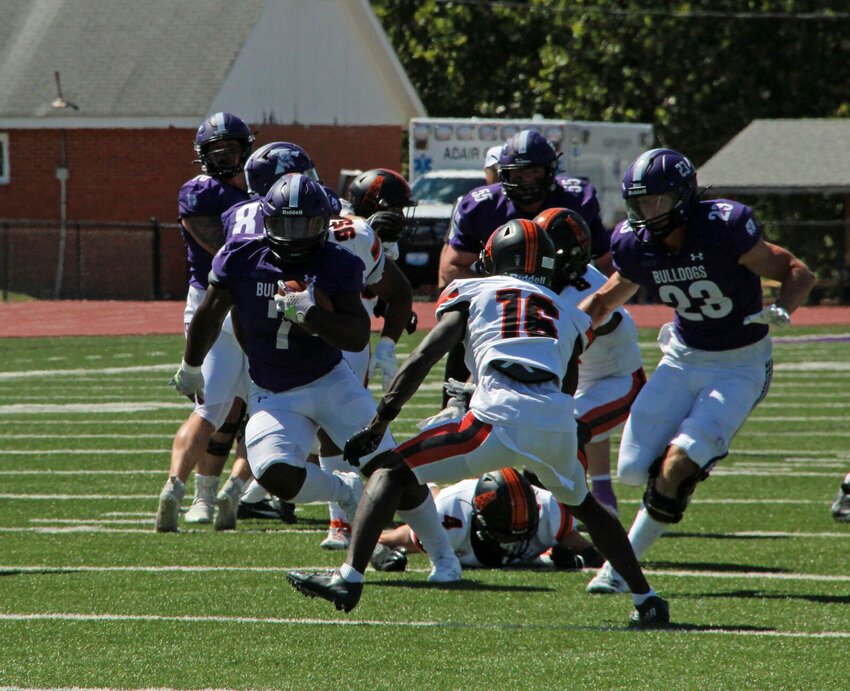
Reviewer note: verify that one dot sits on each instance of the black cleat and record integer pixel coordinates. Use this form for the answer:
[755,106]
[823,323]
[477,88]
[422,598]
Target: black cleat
[388,559]
[267,510]
[285,510]
[328,586]
[654,613]
[841,504]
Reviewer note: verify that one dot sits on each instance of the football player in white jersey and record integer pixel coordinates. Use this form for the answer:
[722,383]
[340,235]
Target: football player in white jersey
[495,521]
[522,346]
[610,373]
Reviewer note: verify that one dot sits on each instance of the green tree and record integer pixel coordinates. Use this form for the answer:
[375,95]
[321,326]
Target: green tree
[698,70]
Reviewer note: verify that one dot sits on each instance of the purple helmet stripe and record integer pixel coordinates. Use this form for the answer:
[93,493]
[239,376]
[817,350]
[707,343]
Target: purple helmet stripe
[523,141]
[217,122]
[294,189]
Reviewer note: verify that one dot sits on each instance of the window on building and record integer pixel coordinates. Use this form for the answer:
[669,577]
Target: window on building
[4,158]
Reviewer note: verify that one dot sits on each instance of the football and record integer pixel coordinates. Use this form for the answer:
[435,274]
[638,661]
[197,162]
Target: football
[322,300]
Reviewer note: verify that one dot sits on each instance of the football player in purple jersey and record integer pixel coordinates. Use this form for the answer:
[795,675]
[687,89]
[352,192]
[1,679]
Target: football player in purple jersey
[294,342]
[529,184]
[381,276]
[222,143]
[705,259]
[523,343]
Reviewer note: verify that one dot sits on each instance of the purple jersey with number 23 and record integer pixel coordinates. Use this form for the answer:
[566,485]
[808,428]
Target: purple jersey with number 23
[710,291]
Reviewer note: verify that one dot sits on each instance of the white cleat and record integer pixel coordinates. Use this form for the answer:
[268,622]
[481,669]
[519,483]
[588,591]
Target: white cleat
[339,536]
[445,570]
[203,504]
[607,582]
[227,506]
[169,506]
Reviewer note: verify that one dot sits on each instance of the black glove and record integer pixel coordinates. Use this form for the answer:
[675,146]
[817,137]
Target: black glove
[361,444]
[412,324]
[387,224]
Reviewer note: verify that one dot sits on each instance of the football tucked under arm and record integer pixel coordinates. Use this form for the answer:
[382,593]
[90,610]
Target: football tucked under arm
[295,299]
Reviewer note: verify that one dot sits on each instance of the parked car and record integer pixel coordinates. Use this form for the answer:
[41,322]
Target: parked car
[436,193]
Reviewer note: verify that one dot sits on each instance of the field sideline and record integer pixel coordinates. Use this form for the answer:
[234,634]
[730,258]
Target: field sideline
[41,318]
[756,574]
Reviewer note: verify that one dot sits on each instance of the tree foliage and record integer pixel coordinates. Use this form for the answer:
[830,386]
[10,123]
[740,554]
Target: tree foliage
[698,70]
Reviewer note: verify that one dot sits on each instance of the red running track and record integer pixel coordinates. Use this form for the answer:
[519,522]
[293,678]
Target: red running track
[111,318]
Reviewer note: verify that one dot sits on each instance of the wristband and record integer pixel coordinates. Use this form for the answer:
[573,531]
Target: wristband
[189,369]
[387,412]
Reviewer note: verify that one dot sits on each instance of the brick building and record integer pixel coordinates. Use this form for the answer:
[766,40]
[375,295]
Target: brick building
[99,102]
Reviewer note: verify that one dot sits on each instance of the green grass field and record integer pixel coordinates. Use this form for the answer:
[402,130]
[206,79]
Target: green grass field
[756,575]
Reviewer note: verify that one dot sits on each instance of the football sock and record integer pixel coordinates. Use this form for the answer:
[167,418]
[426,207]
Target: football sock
[329,464]
[428,527]
[350,574]
[640,599]
[318,486]
[644,532]
[205,484]
[603,490]
[253,492]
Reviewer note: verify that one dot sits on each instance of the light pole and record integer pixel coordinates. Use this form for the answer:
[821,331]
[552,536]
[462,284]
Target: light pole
[62,175]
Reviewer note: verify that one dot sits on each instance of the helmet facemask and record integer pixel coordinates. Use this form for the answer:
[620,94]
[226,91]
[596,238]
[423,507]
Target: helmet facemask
[660,189]
[296,216]
[528,149]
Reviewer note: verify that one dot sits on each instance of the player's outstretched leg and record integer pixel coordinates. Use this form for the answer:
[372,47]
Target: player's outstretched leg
[610,538]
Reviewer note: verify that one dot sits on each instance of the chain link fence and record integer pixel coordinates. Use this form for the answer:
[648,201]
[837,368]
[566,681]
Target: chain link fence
[147,261]
[92,261]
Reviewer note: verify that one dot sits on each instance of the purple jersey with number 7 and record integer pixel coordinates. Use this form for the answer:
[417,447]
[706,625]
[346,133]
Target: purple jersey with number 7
[281,355]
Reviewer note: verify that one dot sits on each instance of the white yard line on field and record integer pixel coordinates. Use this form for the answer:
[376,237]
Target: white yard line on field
[180,568]
[300,621]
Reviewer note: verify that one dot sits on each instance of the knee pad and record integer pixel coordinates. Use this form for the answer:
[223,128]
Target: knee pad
[233,430]
[219,448]
[665,509]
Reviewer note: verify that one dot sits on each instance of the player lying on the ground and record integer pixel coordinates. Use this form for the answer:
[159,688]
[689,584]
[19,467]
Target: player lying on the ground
[498,520]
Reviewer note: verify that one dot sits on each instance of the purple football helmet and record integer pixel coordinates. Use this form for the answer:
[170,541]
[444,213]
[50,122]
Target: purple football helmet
[221,127]
[296,215]
[270,161]
[664,172]
[528,149]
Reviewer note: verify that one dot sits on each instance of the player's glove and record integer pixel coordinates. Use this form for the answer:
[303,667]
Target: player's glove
[772,315]
[384,358]
[387,225]
[294,304]
[460,393]
[412,324]
[361,444]
[189,381]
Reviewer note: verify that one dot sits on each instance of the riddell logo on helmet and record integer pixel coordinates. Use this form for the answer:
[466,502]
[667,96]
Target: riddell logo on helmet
[291,212]
[484,499]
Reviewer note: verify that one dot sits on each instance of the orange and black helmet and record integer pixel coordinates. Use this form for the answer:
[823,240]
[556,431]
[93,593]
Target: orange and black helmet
[520,248]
